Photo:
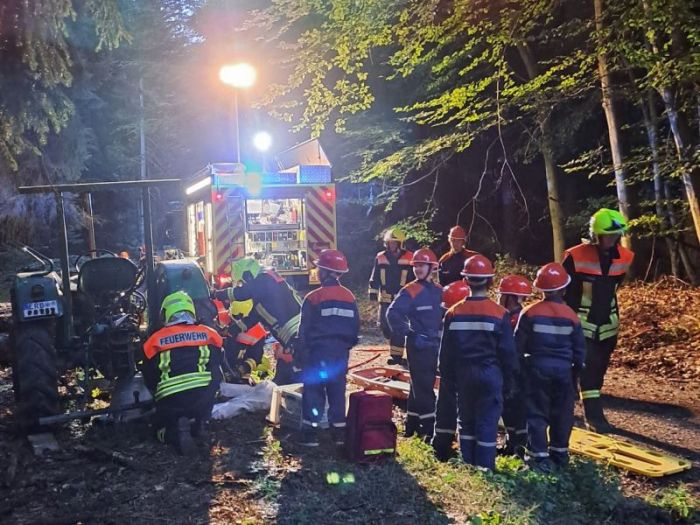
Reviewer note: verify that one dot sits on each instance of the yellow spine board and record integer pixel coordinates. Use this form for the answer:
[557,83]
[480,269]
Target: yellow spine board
[625,455]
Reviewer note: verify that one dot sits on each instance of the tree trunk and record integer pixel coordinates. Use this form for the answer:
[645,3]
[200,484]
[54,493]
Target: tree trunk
[682,136]
[556,213]
[614,135]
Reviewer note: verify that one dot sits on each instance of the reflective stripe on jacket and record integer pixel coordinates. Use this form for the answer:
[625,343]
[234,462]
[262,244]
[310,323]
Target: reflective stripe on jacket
[550,332]
[183,357]
[416,311]
[389,275]
[594,283]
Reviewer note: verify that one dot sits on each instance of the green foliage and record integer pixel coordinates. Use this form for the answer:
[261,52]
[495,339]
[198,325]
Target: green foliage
[37,68]
[679,501]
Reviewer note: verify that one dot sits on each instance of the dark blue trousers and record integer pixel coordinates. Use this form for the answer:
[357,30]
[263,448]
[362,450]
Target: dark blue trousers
[420,407]
[479,401]
[324,381]
[550,403]
[514,419]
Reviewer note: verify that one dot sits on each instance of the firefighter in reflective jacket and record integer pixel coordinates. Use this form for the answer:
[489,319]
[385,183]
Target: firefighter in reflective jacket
[416,316]
[512,291]
[552,349]
[275,304]
[477,358]
[391,271]
[452,263]
[446,404]
[596,270]
[182,368]
[244,338]
[330,325]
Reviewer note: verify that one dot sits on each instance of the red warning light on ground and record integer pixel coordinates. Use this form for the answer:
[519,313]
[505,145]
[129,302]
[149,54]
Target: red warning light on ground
[329,195]
[218,197]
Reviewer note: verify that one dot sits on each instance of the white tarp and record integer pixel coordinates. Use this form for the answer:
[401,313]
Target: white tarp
[244,398]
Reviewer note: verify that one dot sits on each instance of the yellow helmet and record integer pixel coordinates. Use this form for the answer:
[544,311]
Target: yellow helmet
[394,234]
[241,308]
[241,266]
[176,302]
[607,222]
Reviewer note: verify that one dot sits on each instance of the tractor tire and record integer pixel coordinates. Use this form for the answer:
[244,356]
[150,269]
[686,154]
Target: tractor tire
[34,375]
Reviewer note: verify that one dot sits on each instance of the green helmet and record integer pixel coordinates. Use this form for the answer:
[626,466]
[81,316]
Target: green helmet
[394,234]
[607,222]
[239,267]
[176,302]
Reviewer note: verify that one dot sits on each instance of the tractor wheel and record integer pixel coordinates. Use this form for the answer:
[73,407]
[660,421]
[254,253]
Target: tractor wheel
[34,375]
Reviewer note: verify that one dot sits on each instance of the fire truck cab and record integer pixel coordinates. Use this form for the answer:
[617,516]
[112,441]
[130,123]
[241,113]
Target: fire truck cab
[283,218]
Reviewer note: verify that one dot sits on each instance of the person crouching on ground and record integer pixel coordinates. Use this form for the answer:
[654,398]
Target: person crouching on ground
[512,291]
[182,367]
[477,358]
[551,344]
[329,328]
[416,314]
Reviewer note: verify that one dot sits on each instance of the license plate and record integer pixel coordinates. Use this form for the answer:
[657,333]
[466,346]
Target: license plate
[40,309]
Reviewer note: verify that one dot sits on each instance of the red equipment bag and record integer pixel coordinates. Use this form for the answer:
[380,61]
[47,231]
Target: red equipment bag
[370,432]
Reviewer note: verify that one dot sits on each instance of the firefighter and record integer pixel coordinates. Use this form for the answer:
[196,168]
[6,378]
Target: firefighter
[330,325]
[244,338]
[477,358]
[391,271]
[597,269]
[275,304]
[512,291]
[552,349]
[416,315]
[182,368]
[446,405]
[452,263]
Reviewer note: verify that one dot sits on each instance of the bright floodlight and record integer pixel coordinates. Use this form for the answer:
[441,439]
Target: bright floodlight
[262,141]
[240,75]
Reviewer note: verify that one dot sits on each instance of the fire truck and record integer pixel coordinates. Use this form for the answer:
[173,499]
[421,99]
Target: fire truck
[282,218]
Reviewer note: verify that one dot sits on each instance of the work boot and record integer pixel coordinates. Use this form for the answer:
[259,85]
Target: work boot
[307,437]
[442,445]
[200,431]
[594,417]
[180,435]
[543,466]
[338,435]
[398,361]
[412,426]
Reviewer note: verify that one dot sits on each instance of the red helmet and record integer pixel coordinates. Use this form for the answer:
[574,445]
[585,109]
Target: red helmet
[478,266]
[332,260]
[424,255]
[457,232]
[454,293]
[551,277]
[515,285]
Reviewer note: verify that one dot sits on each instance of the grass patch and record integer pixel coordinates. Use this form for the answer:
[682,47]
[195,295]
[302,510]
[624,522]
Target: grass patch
[682,505]
[318,486]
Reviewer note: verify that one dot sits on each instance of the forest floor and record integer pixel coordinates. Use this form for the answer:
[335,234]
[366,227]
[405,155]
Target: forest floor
[253,473]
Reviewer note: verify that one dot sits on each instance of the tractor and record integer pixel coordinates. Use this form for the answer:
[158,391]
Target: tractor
[88,318]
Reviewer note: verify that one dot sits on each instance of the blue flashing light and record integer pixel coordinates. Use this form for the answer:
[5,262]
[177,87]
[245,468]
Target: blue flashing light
[323,374]
[314,411]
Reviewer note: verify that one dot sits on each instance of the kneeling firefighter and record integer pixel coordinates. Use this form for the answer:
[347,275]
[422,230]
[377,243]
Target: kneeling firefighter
[182,369]
[275,303]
